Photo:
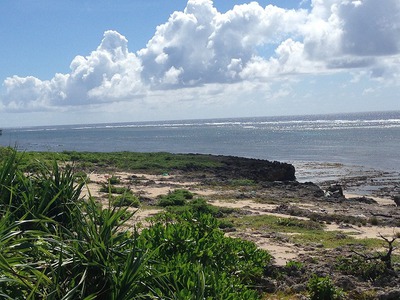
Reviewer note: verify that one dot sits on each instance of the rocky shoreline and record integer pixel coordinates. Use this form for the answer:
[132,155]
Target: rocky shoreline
[254,188]
[354,179]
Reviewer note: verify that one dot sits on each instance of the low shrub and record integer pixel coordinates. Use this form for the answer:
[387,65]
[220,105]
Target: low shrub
[127,199]
[176,198]
[200,206]
[373,221]
[197,239]
[114,180]
[360,267]
[242,182]
[322,288]
[294,265]
[293,222]
[114,189]
[225,224]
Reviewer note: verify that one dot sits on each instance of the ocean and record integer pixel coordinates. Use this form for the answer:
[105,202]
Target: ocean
[360,139]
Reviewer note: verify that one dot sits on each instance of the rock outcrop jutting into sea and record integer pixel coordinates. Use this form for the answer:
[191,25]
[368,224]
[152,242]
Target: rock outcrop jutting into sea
[258,170]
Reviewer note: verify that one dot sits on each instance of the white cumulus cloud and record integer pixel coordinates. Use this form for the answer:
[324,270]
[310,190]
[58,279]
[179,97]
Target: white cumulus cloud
[201,46]
[210,47]
[349,34]
[109,73]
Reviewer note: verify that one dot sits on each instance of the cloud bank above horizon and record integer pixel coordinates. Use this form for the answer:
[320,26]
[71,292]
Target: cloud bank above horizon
[199,53]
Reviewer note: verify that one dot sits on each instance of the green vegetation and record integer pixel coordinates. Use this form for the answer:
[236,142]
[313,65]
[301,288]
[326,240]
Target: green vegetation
[182,239]
[114,180]
[357,266]
[181,201]
[175,198]
[297,223]
[322,288]
[56,245]
[126,199]
[125,196]
[371,266]
[157,162]
[271,223]
[294,265]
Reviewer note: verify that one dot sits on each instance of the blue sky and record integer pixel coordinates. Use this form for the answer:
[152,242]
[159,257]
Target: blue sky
[67,62]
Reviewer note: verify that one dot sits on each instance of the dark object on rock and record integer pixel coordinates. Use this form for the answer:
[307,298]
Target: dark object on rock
[335,191]
[396,200]
[315,189]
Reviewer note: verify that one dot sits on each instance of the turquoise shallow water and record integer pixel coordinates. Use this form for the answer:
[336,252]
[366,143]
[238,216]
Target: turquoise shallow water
[364,139]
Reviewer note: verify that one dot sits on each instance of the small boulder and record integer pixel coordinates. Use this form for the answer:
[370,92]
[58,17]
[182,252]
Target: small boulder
[396,200]
[346,283]
[335,191]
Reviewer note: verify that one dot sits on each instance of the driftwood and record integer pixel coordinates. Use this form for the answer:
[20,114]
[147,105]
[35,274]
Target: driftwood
[386,258]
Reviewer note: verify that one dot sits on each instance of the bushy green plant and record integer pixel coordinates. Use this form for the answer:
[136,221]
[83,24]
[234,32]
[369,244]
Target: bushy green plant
[225,224]
[200,206]
[198,240]
[294,265]
[322,288]
[127,199]
[50,193]
[55,246]
[175,198]
[114,180]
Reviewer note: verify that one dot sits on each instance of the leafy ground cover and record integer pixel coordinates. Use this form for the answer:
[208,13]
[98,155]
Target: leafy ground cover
[157,162]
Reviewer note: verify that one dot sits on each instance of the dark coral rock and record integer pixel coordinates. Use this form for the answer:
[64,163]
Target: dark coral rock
[255,169]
